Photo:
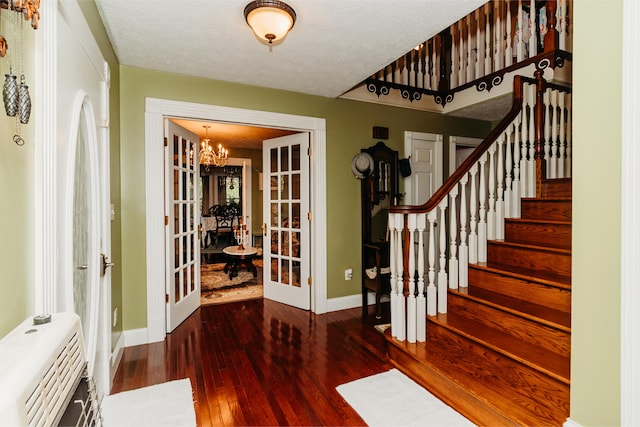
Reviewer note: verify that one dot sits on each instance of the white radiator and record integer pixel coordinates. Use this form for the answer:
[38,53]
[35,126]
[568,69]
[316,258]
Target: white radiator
[41,366]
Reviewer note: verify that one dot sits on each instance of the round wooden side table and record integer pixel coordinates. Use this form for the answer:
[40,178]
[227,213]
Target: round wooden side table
[237,258]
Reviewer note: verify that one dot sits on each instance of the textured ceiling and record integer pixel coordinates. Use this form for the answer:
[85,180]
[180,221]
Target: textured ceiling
[334,45]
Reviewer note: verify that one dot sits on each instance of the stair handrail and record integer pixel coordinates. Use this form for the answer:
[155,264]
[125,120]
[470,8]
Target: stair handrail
[515,154]
[454,178]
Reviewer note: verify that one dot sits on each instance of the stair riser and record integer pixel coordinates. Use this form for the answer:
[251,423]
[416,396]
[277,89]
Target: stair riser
[533,233]
[535,293]
[514,388]
[556,189]
[521,329]
[553,210]
[529,260]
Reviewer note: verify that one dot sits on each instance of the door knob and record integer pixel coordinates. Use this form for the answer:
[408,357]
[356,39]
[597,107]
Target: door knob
[105,263]
[264,228]
[83,267]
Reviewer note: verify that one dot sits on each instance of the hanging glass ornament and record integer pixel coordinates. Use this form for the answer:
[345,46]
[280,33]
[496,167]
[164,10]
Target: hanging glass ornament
[10,94]
[25,102]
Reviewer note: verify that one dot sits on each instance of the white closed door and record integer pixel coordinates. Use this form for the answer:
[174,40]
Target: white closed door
[182,237]
[425,151]
[286,228]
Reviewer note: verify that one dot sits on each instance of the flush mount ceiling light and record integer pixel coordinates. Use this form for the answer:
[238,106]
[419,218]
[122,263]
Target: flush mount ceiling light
[270,19]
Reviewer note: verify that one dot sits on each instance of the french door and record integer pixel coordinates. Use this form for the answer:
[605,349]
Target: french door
[286,228]
[182,210]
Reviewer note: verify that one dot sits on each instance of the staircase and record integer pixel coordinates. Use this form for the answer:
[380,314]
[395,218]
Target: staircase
[501,353]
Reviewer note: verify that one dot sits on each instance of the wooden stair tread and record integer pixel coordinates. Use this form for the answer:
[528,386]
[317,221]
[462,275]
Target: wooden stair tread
[536,247]
[515,274]
[538,221]
[451,372]
[544,361]
[545,315]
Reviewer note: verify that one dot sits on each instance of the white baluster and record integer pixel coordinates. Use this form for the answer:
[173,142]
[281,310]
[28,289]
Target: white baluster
[519,34]
[533,40]
[453,239]
[442,273]
[562,140]
[508,57]
[561,13]
[482,224]
[487,35]
[568,160]
[498,50]
[491,215]
[463,55]
[421,302]
[473,221]
[431,289]
[531,167]
[471,60]
[500,189]
[393,263]
[547,127]
[401,315]
[411,298]
[553,171]
[455,56]
[463,265]
[515,207]
[479,45]
[420,71]
[508,212]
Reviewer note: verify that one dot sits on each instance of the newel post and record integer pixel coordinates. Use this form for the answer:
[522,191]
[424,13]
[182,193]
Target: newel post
[445,55]
[539,131]
[552,38]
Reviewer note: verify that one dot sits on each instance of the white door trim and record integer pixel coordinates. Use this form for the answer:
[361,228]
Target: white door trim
[155,110]
[630,245]
[459,141]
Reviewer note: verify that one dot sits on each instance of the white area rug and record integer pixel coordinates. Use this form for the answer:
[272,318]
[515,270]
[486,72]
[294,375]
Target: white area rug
[393,399]
[169,404]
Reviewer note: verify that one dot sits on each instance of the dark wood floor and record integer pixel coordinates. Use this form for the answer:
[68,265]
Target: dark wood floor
[262,363]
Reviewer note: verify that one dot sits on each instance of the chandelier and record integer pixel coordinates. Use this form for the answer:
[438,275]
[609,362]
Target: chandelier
[208,156]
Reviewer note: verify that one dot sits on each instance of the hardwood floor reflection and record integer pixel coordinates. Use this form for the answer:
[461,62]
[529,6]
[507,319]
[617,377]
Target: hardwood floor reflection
[262,363]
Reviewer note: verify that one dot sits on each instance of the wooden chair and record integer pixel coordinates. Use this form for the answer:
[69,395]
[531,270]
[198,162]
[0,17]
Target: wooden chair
[226,217]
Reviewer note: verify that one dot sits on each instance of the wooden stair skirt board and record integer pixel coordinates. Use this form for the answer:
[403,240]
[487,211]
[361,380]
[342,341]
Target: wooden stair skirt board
[501,355]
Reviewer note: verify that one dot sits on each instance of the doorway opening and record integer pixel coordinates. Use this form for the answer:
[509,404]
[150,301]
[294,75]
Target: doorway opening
[156,111]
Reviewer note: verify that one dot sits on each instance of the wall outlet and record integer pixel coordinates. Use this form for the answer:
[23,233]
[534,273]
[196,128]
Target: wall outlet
[115,317]
[348,274]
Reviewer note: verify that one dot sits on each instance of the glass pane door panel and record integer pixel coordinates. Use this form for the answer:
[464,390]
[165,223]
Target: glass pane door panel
[285,203]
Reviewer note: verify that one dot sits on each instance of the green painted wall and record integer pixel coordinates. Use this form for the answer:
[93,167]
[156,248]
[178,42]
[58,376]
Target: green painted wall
[349,125]
[595,362]
[17,214]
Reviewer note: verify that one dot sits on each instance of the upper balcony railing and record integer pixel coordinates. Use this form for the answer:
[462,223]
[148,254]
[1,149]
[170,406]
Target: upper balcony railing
[479,49]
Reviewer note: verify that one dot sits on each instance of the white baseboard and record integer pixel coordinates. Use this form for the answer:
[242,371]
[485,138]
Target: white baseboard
[570,423]
[350,301]
[135,337]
